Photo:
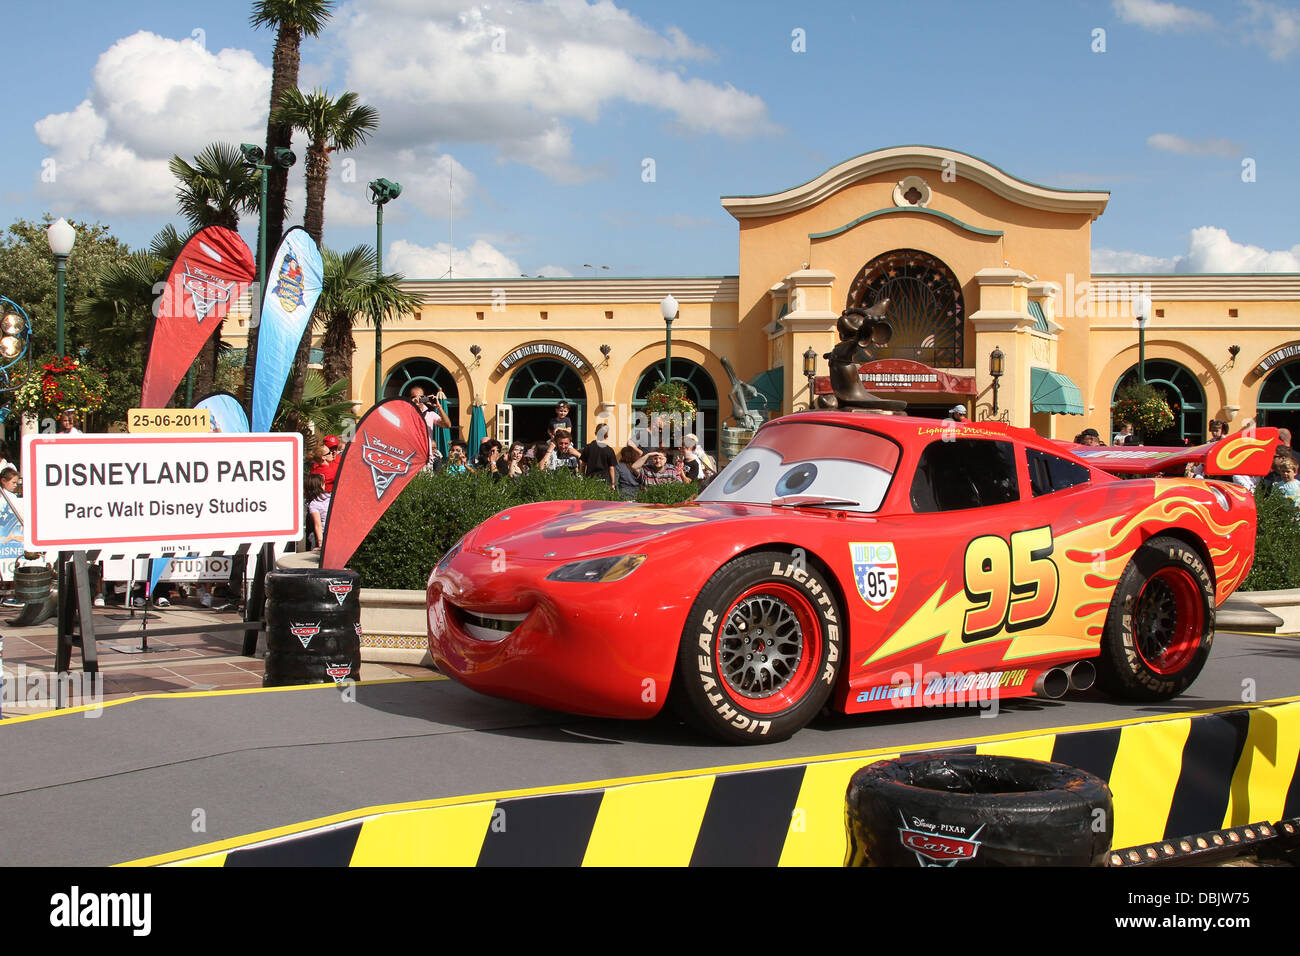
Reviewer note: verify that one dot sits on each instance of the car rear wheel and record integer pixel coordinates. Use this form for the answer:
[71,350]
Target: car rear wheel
[761,650]
[1160,625]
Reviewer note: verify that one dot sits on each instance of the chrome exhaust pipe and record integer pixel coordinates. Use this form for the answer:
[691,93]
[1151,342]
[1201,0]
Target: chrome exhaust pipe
[1083,674]
[1052,683]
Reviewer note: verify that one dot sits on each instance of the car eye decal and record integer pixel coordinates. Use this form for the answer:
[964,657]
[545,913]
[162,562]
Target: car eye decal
[797,479]
[741,478]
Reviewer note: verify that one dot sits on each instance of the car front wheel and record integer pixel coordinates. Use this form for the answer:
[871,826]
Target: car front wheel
[761,649]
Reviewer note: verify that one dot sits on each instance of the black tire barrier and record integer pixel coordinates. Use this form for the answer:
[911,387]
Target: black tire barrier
[313,627]
[977,810]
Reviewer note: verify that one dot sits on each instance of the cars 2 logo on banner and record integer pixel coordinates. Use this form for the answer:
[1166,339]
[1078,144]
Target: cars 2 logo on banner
[142,492]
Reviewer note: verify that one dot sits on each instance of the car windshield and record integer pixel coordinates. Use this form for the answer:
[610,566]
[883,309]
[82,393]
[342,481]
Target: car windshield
[810,464]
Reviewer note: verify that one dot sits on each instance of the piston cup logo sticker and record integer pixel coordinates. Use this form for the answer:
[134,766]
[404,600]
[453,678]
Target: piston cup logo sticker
[358,629]
[875,569]
[206,291]
[304,632]
[934,848]
[386,462]
[338,671]
[340,590]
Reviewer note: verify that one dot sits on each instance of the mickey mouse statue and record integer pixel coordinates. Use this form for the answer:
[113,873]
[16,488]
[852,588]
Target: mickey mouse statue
[858,328]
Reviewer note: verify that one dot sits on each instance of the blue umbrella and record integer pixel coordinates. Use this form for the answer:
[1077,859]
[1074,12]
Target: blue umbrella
[477,430]
[442,441]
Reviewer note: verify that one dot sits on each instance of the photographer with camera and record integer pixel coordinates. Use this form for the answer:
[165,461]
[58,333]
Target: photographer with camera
[435,416]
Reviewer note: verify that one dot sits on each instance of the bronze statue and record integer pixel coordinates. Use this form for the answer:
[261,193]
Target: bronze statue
[741,391]
[858,329]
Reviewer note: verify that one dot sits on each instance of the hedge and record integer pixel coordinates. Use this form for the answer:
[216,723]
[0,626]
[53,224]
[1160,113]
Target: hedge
[1277,543]
[435,510]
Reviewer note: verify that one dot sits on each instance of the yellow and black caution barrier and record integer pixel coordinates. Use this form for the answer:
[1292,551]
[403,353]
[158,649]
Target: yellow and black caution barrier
[1170,776]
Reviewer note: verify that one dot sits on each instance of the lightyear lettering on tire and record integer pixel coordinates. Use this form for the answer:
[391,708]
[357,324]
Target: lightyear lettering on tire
[1160,625]
[760,652]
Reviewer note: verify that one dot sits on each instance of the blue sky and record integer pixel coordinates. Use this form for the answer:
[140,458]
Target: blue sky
[540,116]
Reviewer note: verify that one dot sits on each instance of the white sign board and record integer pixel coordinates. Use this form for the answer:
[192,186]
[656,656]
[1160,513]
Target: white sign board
[140,493]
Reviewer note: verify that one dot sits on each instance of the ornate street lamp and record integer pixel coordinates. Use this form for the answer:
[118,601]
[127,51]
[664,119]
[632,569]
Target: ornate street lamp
[62,237]
[997,366]
[810,370]
[668,306]
[382,191]
[1142,312]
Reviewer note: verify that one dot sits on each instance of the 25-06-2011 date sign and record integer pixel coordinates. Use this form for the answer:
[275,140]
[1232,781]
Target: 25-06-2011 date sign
[140,492]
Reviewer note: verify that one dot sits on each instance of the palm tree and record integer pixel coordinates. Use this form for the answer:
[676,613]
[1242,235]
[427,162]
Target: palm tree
[331,125]
[292,20]
[350,288]
[214,191]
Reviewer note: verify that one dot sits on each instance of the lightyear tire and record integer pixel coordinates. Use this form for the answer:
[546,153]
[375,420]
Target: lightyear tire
[1160,625]
[760,652]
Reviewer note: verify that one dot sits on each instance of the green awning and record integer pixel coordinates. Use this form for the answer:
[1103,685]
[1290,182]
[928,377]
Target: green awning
[1054,393]
[1040,320]
[771,387]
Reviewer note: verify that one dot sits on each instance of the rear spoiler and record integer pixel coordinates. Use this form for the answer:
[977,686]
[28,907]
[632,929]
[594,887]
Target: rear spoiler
[1245,453]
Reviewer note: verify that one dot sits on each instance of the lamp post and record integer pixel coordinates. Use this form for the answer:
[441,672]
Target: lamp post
[810,370]
[668,306]
[253,156]
[1142,312]
[997,365]
[62,237]
[382,191]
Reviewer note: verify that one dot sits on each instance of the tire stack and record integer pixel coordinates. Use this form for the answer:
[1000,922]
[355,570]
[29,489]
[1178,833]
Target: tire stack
[313,627]
[937,809]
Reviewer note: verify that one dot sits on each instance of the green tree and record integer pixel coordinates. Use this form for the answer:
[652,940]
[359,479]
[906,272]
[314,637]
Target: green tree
[349,288]
[331,125]
[214,191]
[27,277]
[116,315]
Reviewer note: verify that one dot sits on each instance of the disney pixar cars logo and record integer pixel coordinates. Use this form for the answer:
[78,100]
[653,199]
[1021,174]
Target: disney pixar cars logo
[939,849]
[386,462]
[875,568]
[340,590]
[304,632]
[338,671]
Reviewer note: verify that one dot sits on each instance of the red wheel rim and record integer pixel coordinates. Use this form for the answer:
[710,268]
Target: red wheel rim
[767,648]
[1170,620]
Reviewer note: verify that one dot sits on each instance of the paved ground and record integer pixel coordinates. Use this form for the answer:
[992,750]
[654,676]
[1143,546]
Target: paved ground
[173,664]
[159,774]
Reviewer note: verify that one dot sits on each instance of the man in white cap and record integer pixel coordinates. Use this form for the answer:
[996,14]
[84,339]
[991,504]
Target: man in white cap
[958,413]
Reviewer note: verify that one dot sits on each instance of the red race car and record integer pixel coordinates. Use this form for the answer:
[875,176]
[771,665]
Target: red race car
[863,561]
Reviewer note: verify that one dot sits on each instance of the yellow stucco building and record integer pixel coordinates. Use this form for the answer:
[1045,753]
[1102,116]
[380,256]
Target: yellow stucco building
[971,258]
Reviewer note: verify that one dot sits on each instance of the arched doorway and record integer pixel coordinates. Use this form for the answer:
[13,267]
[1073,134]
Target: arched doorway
[430,376]
[699,389]
[1183,393]
[1279,398]
[926,307]
[534,389]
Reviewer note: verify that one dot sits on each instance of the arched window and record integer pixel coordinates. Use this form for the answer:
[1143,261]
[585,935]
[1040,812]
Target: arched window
[533,390]
[1183,393]
[1279,397]
[430,376]
[926,307]
[699,389]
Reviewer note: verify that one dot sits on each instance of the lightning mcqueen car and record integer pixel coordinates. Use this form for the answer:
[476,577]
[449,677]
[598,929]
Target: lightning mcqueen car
[863,561]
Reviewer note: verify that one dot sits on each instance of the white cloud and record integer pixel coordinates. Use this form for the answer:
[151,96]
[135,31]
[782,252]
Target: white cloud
[1275,28]
[516,74]
[151,98]
[1172,143]
[1209,249]
[1157,15]
[480,261]
[1114,260]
